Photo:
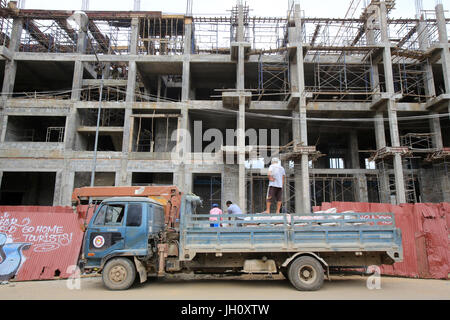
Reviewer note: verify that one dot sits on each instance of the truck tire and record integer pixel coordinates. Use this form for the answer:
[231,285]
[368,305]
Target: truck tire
[119,274]
[306,274]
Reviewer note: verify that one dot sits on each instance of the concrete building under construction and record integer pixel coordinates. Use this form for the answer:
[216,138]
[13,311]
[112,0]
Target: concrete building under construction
[356,107]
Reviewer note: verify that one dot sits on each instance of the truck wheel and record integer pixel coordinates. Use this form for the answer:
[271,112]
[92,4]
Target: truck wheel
[306,274]
[119,274]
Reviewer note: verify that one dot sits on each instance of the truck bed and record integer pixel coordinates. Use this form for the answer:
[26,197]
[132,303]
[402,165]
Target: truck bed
[374,232]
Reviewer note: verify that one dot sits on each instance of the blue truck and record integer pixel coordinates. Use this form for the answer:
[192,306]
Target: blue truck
[127,240]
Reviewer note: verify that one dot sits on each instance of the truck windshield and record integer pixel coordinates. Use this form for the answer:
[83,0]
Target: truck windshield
[111,214]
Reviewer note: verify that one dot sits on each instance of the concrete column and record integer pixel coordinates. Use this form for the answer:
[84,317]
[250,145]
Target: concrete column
[186,84]
[297,164]
[11,65]
[240,81]
[241,154]
[137,5]
[130,99]
[391,105]
[299,118]
[57,196]
[354,149]
[361,188]
[361,180]
[443,41]
[240,28]
[240,132]
[423,36]
[125,176]
[435,126]
[380,134]
[79,65]
[184,176]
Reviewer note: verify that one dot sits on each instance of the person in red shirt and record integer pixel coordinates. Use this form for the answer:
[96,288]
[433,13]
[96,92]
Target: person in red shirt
[215,210]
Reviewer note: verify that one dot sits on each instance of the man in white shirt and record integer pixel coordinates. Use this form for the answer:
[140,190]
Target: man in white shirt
[276,182]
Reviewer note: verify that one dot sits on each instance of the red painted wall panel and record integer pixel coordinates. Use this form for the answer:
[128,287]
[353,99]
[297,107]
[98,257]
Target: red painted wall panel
[50,239]
[436,238]
[425,236]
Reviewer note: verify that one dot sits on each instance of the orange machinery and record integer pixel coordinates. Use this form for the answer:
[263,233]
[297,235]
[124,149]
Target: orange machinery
[168,196]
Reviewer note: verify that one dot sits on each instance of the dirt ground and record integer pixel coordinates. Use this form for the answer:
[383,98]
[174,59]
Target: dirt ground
[235,288]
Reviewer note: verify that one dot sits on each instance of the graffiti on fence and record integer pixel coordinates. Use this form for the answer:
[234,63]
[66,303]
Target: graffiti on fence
[11,257]
[45,238]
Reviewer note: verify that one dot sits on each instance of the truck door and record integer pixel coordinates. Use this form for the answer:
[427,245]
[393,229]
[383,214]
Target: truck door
[107,231]
[136,230]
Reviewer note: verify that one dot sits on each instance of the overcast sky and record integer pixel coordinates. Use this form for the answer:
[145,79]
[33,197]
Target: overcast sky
[312,8]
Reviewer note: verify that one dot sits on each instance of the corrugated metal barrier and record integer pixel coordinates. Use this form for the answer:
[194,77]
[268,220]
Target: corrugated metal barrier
[425,234]
[38,243]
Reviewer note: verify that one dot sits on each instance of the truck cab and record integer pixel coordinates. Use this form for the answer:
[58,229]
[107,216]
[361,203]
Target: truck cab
[122,229]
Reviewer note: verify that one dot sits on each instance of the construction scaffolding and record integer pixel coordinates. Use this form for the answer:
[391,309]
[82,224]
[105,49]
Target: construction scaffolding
[47,36]
[273,79]
[55,134]
[337,82]
[386,179]
[211,35]
[410,79]
[332,187]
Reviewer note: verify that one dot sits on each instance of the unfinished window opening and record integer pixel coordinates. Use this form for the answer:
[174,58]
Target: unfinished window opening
[27,188]
[35,129]
[266,135]
[44,80]
[332,188]
[438,77]
[152,132]
[102,179]
[109,139]
[257,186]
[370,165]
[152,179]
[209,188]
[114,83]
[214,133]
[161,81]
[336,163]
[209,81]
[372,189]
[108,117]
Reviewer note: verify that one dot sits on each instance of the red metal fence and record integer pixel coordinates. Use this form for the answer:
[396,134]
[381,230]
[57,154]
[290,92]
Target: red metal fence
[38,243]
[425,236]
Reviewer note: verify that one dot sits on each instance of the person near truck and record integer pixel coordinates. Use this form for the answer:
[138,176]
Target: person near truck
[276,182]
[233,209]
[215,210]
